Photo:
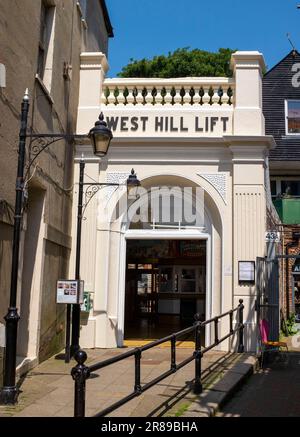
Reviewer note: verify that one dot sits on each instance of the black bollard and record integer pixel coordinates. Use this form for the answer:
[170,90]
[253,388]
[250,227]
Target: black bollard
[80,374]
[241,329]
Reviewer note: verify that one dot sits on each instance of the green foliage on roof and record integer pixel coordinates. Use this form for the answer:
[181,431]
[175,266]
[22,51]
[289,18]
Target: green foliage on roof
[182,63]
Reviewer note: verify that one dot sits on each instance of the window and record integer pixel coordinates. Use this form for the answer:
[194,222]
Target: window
[273,188]
[46,39]
[285,188]
[290,188]
[2,76]
[292,112]
[42,41]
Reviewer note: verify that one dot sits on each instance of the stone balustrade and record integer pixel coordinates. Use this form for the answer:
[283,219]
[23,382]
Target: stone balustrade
[168,92]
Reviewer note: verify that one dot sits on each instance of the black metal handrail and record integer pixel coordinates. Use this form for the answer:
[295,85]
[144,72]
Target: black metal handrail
[80,373]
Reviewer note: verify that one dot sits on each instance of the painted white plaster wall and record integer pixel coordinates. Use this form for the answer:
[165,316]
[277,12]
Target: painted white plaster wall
[230,168]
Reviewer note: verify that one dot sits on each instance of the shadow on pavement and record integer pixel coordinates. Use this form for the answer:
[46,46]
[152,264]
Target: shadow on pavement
[271,392]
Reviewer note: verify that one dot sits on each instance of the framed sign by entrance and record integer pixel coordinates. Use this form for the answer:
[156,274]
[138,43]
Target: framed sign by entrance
[69,291]
[246,272]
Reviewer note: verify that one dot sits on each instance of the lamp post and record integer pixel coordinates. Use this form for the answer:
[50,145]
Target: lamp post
[9,391]
[100,137]
[132,183]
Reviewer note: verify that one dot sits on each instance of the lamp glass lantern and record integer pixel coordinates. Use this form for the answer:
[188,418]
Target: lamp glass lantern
[100,136]
[133,185]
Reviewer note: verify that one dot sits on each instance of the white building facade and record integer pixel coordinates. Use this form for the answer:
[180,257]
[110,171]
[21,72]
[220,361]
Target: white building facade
[191,133]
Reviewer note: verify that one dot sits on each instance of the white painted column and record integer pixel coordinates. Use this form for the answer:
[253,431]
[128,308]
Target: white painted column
[248,116]
[249,221]
[93,69]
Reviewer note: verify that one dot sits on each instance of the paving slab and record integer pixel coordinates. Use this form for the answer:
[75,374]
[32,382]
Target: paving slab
[271,392]
[218,387]
[48,389]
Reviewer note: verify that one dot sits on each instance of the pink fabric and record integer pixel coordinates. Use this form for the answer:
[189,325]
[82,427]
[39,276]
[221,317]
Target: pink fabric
[264,329]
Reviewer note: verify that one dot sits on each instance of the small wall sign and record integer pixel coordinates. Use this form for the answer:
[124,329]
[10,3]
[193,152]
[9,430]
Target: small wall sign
[296,268]
[246,272]
[272,237]
[86,305]
[69,291]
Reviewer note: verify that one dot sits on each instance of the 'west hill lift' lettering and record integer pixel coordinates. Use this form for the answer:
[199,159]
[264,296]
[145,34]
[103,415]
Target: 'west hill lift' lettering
[205,124]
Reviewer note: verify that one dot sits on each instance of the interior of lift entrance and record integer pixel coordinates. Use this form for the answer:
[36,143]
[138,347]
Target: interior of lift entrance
[165,286]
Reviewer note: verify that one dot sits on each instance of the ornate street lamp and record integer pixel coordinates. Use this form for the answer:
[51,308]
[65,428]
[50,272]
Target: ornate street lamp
[132,185]
[100,136]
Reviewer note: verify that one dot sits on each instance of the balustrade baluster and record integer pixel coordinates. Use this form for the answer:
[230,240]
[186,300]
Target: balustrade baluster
[196,96]
[215,97]
[206,96]
[130,97]
[168,96]
[225,96]
[121,96]
[111,100]
[177,96]
[139,96]
[159,98]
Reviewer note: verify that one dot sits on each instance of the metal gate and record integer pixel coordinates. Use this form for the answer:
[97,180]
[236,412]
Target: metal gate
[267,294]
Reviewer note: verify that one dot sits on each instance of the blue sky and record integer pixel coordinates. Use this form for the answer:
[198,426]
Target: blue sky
[145,28]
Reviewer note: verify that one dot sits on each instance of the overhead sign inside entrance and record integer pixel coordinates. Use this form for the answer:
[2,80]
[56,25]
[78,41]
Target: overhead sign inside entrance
[171,123]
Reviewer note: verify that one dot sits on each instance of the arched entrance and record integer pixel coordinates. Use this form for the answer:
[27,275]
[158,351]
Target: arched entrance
[170,269]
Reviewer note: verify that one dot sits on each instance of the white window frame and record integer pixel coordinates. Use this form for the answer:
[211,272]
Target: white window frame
[46,77]
[2,76]
[287,118]
[278,186]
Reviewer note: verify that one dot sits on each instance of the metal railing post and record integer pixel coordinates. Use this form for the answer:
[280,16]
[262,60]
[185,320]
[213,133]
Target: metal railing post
[173,353]
[216,331]
[197,355]
[231,322]
[80,374]
[241,327]
[137,384]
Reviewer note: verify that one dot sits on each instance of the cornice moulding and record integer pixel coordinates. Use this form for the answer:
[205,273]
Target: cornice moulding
[93,61]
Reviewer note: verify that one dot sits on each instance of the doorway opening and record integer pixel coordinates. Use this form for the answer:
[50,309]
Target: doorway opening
[165,286]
